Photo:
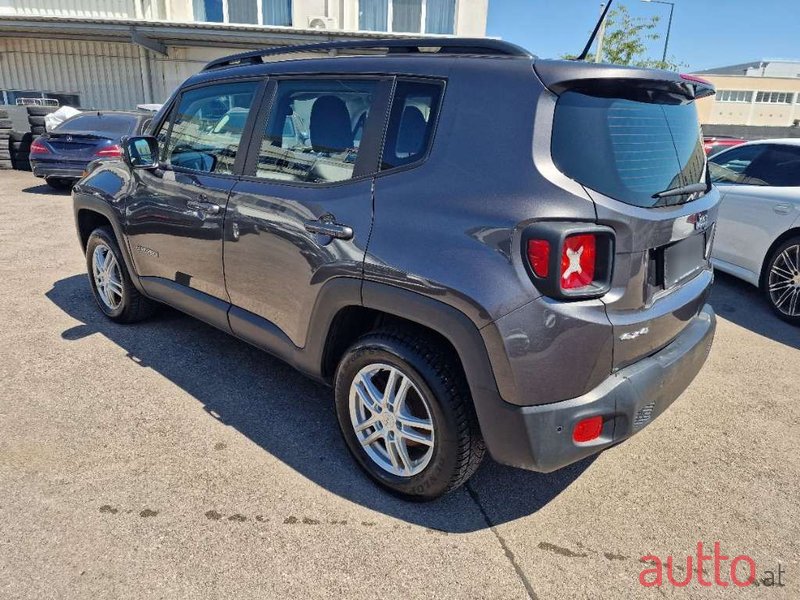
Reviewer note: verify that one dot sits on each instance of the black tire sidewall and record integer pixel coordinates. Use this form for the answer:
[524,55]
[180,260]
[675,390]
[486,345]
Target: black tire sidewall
[104,236]
[794,320]
[435,479]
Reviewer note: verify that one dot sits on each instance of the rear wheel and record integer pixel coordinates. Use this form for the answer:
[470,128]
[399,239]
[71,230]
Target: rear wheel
[782,281]
[59,183]
[404,409]
[111,283]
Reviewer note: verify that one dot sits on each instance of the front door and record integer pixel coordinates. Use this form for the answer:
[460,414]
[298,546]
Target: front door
[304,212]
[175,214]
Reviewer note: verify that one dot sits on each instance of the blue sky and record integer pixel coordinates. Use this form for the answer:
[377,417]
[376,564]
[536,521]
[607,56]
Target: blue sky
[705,33]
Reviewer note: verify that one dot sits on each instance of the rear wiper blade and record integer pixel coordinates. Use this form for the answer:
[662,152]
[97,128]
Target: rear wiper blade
[692,188]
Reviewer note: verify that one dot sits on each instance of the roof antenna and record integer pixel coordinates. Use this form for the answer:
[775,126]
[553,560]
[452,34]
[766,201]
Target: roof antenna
[588,47]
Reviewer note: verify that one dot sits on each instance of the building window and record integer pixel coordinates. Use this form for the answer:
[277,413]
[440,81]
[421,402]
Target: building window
[407,16]
[734,96]
[273,12]
[775,97]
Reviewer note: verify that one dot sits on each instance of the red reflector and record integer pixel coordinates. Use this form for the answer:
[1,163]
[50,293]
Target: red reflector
[38,148]
[587,429]
[109,152]
[539,257]
[578,260]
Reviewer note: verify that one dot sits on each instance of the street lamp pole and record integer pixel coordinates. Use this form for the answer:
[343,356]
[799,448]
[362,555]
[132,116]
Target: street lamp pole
[669,25]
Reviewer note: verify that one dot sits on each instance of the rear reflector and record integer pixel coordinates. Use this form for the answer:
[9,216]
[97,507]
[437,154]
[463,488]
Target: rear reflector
[539,257]
[587,429]
[578,260]
[109,152]
[38,148]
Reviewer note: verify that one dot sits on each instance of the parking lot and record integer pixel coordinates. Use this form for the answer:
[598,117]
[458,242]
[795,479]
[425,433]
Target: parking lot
[168,459]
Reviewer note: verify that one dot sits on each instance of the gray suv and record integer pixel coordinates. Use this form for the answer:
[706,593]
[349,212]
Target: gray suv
[476,249]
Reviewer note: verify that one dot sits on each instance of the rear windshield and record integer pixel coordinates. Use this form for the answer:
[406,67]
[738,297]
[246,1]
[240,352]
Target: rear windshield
[628,150]
[100,123]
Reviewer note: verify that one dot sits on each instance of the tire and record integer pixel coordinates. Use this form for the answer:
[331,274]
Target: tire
[437,394]
[37,130]
[20,147]
[21,136]
[36,121]
[3,114]
[130,305]
[57,183]
[781,285]
[40,111]
[6,124]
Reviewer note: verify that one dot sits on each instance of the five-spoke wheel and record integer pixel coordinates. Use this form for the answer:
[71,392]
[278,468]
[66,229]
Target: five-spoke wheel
[391,419]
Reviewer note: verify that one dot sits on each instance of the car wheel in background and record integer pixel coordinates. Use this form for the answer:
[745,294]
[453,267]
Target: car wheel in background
[405,411]
[782,281]
[58,183]
[111,283]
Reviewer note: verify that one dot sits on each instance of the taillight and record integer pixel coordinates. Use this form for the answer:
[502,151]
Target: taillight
[569,261]
[110,152]
[38,147]
[539,257]
[578,259]
[587,430]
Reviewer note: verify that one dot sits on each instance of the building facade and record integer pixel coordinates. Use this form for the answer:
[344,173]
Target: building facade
[761,93]
[115,54]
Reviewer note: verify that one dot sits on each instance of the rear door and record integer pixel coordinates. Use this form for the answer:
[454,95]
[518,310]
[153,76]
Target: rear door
[175,213]
[634,145]
[760,184]
[303,213]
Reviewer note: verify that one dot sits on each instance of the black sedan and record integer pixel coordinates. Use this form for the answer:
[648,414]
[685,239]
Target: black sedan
[60,156]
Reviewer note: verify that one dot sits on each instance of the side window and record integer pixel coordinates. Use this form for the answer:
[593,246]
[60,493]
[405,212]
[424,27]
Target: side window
[312,133]
[779,166]
[207,127]
[730,166]
[411,122]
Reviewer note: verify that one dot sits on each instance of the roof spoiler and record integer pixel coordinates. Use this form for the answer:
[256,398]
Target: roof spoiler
[432,45]
[623,82]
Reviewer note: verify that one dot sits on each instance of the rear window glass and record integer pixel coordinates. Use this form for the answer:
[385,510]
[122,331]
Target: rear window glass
[628,150]
[104,123]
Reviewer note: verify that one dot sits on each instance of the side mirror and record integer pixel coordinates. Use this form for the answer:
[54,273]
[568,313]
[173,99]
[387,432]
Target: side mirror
[140,152]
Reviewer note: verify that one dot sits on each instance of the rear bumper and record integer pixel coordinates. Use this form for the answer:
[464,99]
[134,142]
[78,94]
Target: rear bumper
[539,437]
[58,169]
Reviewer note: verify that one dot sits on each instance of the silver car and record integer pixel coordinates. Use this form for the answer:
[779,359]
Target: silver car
[758,231]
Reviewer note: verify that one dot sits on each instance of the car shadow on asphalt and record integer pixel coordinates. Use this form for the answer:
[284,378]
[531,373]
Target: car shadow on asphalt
[744,304]
[293,418]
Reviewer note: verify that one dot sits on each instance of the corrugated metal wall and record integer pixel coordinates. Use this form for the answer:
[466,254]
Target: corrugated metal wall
[120,9]
[106,75]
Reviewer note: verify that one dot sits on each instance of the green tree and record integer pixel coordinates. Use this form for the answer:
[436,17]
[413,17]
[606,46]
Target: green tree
[626,39]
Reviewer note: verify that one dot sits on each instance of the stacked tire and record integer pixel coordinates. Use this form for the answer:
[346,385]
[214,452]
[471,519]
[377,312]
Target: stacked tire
[5,141]
[20,148]
[36,115]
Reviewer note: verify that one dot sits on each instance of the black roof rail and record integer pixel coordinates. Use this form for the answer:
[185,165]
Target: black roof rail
[482,46]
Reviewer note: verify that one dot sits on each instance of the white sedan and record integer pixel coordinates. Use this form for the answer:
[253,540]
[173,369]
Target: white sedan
[758,230]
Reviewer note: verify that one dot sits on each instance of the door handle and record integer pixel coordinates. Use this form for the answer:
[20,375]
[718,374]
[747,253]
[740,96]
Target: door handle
[334,230]
[207,207]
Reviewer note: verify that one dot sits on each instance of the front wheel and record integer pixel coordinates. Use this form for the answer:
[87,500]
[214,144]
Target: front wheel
[405,411]
[111,283]
[782,281]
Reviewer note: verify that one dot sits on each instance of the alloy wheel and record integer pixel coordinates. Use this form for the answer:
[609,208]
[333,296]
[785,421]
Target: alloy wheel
[784,281]
[107,277]
[392,420]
